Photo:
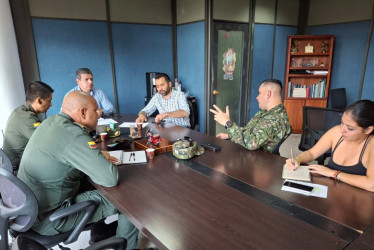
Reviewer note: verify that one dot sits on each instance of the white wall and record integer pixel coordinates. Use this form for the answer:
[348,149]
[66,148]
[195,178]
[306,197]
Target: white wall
[339,11]
[12,92]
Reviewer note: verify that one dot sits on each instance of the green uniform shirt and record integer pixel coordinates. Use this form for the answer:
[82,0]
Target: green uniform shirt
[19,128]
[55,159]
[264,131]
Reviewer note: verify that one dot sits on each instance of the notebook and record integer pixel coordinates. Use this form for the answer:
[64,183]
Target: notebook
[129,157]
[300,174]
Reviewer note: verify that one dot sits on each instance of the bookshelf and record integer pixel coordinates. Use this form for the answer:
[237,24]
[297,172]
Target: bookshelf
[308,73]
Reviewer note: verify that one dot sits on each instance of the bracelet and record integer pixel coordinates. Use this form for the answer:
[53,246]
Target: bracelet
[336,173]
[298,159]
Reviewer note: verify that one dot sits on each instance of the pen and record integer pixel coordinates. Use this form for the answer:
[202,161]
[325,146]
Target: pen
[292,157]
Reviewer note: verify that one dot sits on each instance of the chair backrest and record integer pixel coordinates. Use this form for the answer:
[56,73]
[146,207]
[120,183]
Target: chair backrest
[338,98]
[192,117]
[5,162]
[276,149]
[316,121]
[18,206]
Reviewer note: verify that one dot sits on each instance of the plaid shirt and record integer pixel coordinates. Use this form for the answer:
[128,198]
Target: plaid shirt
[176,101]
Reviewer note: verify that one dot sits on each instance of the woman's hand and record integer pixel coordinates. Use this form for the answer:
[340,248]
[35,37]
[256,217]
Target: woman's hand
[322,170]
[292,164]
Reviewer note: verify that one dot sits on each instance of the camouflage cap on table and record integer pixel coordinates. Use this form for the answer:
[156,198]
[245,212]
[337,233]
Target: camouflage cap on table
[184,150]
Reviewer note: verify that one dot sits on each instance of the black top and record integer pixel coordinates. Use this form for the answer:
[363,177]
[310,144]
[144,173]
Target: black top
[357,169]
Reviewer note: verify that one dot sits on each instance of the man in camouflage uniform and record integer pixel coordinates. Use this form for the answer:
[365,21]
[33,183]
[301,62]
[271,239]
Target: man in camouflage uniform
[24,120]
[58,155]
[267,128]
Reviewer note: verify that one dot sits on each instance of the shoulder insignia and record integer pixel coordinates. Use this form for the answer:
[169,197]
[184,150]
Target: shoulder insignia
[92,144]
[36,124]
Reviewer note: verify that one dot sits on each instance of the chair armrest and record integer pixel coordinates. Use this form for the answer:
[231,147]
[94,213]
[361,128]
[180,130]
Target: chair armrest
[88,207]
[111,243]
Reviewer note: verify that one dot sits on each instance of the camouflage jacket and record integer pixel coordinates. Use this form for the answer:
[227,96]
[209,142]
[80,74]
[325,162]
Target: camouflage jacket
[264,131]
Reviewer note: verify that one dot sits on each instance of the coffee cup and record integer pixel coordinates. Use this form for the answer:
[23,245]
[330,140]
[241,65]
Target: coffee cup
[103,136]
[150,153]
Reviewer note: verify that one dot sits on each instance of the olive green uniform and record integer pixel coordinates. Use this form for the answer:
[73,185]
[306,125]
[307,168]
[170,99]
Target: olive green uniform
[59,154]
[264,131]
[21,125]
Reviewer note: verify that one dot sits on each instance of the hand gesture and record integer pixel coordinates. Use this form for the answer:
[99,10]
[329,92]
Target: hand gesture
[220,116]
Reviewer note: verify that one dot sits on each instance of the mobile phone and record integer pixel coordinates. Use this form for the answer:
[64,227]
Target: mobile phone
[298,186]
[211,146]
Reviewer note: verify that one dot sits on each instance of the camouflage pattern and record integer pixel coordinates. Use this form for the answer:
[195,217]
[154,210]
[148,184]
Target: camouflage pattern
[183,150]
[264,131]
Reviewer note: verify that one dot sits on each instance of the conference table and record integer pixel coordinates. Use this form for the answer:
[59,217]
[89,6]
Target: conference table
[232,199]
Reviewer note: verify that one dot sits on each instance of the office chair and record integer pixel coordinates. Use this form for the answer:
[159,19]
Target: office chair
[19,210]
[276,149]
[5,162]
[338,98]
[22,242]
[192,115]
[316,121]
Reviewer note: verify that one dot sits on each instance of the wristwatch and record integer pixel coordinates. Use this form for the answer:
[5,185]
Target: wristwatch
[228,124]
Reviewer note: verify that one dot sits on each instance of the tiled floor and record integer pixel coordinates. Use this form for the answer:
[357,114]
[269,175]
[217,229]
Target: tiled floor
[82,242]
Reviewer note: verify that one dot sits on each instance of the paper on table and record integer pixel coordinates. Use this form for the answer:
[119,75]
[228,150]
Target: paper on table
[318,190]
[103,121]
[301,173]
[129,157]
[128,124]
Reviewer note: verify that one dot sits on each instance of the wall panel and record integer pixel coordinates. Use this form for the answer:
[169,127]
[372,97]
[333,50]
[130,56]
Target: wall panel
[191,54]
[368,88]
[63,46]
[262,56]
[138,49]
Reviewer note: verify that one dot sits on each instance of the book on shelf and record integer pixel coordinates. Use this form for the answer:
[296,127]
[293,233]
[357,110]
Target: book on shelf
[300,174]
[130,157]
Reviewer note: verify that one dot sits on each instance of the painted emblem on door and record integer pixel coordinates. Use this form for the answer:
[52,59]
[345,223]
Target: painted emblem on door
[229,59]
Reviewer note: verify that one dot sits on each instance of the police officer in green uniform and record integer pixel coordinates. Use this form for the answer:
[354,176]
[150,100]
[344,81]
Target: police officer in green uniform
[24,120]
[56,158]
[267,128]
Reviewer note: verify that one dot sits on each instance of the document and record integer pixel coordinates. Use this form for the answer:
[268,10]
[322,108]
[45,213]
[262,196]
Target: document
[318,190]
[130,157]
[301,173]
[128,124]
[103,121]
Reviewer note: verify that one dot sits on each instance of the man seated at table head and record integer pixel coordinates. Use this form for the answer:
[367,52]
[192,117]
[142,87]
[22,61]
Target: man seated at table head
[267,128]
[84,78]
[171,104]
[24,120]
[56,158]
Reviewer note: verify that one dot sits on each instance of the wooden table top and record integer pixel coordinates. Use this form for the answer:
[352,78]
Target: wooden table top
[232,199]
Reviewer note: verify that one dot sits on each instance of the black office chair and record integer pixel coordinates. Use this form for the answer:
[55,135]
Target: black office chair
[5,162]
[192,114]
[338,98]
[19,210]
[22,243]
[316,121]
[276,149]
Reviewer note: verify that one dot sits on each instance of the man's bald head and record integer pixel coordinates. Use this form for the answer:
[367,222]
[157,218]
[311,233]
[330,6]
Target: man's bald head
[82,108]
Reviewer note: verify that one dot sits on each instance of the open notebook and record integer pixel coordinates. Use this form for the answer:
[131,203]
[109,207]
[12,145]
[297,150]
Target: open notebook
[129,157]
[300,174]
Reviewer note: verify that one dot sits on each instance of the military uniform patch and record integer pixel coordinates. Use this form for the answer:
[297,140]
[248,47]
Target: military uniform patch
[36,124]
[92,144]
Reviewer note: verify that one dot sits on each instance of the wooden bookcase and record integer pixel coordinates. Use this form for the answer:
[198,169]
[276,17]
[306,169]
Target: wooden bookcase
[308,72]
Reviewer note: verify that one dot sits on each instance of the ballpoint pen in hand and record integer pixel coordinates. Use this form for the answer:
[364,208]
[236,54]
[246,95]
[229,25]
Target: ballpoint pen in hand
[292,159]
